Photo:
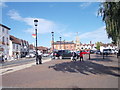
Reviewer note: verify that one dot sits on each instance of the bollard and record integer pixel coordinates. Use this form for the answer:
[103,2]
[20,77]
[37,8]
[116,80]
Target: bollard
[103,55]
[89,56]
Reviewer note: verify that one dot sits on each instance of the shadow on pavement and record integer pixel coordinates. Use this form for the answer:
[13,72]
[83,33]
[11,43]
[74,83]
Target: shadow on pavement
[100,59]
[86,68]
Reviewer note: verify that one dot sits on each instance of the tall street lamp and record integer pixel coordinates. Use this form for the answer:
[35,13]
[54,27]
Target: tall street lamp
[60,42]
[36,22]
[52,41]
[64,44]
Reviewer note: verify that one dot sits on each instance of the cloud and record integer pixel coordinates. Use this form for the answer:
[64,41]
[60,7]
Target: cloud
[95,36]
[86,4]
[44,26]
[2,4]
[68,34]
[15,15]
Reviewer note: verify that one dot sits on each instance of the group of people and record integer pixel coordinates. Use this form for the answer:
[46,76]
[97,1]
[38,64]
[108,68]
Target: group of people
[76,56]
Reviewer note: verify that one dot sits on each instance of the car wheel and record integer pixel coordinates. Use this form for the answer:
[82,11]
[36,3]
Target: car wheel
[61,57]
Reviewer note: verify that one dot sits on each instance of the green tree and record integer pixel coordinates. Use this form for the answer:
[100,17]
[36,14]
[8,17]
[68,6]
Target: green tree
[98,44]
[110,12]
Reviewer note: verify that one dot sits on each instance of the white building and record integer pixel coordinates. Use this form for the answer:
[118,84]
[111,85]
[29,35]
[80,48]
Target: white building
[15,47]
[88,47]
[108,46]
[4,40]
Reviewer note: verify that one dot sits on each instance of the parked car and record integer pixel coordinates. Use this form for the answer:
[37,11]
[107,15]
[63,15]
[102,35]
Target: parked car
[98,52]
[85,52]
[106,51]
[45,55]
[92,51]
[62,54]
[31,55]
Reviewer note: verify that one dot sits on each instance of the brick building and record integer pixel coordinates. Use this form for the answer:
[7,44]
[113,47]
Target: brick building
[72,45]
[64,45]
[43,49]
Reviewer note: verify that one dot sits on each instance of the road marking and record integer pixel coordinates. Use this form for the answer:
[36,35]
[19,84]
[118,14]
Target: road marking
[16,68]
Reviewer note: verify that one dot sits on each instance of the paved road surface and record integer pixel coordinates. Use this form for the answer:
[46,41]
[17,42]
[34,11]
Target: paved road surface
[94,73]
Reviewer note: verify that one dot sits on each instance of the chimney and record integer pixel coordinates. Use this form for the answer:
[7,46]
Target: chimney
[90,42]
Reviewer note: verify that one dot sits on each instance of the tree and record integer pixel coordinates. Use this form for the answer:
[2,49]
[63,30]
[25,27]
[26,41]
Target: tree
[98,44]
[110,12]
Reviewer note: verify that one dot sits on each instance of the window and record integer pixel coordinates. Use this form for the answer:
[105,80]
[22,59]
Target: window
[3,30]
[13,46]
[7,31]
[3,39]
[17,46]
[7,40]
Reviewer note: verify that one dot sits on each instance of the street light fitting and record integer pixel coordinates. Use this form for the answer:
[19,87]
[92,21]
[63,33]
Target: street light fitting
[52,32]
[35,22]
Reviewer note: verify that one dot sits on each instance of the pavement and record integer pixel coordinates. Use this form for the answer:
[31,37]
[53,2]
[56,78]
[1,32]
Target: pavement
[16,68]
[93,73]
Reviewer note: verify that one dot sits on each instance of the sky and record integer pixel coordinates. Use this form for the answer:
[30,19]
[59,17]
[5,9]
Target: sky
[65,19]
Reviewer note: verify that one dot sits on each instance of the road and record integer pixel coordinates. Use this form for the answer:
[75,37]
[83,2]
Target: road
[93,73]
[19,62]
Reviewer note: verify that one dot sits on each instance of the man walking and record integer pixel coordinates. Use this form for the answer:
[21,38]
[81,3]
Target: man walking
[39,57]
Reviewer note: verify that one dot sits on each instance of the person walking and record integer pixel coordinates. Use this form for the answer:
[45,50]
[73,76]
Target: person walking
[74,56]
[39,57]
[2,58]
[81,56]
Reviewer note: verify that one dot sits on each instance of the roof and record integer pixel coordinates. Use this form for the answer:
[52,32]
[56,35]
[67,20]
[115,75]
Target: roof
[109,44]
[62,42]
[5,26]
[88,44]
[42,48]
[15,40]
[31,46]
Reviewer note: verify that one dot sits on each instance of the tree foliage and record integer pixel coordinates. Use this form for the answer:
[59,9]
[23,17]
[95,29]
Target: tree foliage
[98,44]
[110,12]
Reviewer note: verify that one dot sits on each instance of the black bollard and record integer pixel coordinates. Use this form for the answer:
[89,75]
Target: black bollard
[103,55]
[89,56]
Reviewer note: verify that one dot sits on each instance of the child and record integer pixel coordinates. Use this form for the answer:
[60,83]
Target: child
[81,56]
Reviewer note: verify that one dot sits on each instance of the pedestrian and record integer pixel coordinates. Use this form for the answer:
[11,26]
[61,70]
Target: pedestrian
[81,56]
[39,57]
[5,57]
[74,56]
[2,58]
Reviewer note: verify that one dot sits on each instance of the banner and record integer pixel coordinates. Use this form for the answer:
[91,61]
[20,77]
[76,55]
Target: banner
[34,35]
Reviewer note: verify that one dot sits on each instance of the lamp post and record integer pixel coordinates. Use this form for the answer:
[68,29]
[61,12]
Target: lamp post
[64,44]
[60,42]
[35,22]
[52,40]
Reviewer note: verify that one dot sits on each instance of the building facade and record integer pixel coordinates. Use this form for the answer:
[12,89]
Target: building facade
[4,40]
[108,46]
[64,45]
[31,48]
[72,45]
[43,49]
[15,48]
[24,48]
